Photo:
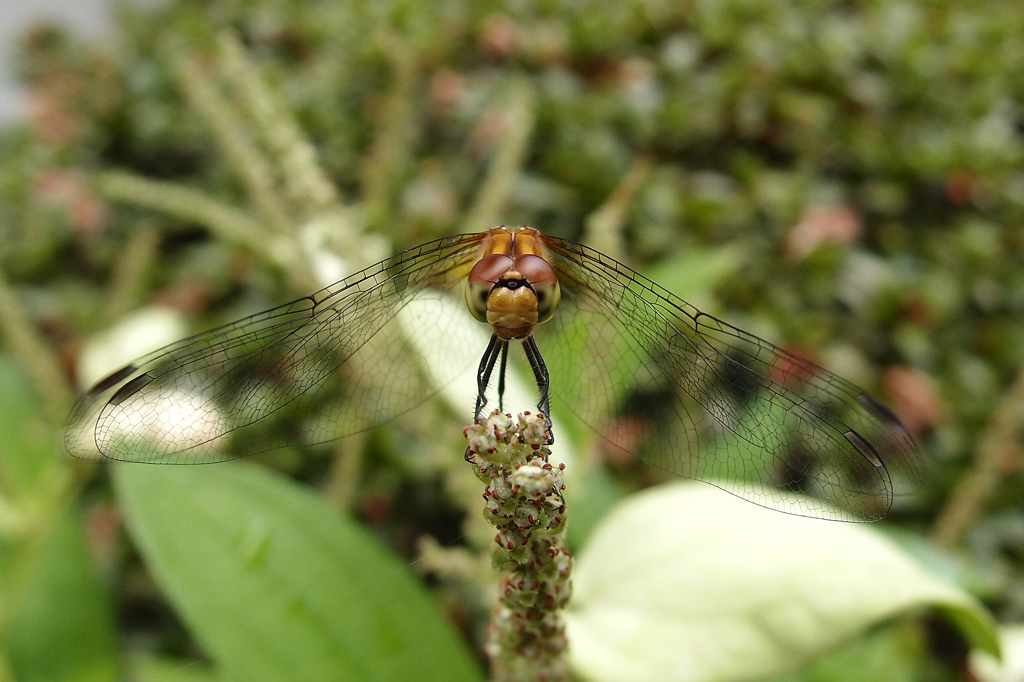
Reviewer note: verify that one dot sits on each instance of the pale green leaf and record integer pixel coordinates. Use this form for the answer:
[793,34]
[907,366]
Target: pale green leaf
[896,652]
[686,582]
[988,668]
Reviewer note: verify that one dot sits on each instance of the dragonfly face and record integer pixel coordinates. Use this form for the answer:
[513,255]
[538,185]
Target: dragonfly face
[513,286]
[711,402]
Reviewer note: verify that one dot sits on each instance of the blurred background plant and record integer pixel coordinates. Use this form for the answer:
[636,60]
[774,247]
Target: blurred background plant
[843,179]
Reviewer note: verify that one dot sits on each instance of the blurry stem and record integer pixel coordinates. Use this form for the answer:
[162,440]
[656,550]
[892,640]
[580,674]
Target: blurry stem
[304,180]
[346,468]
[41,365]
[604,226]
[508,158]
[228,224]
[251,165]
[64,486]
[456,565]
[526,638]
[68,478]
[391,148]
[997,447]
[135,262]
[322,220]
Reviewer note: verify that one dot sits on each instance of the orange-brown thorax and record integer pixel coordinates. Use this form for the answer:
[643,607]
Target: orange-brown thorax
[513,286]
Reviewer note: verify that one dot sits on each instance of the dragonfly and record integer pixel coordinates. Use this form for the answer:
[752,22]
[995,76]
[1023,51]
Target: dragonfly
[711,402]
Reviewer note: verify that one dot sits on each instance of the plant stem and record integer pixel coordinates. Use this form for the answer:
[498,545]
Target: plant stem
[231,225]
[254,167]
[994,461]
[34,355]
[508,158]
[526,636]
[389,159]
[305,182]
[604,226]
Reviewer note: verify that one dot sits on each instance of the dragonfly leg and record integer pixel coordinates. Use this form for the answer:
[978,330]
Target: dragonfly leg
[501,376]
[483,374]
[540,374]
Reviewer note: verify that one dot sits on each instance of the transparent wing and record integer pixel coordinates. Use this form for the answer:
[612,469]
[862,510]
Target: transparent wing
[319,368]
[711,402]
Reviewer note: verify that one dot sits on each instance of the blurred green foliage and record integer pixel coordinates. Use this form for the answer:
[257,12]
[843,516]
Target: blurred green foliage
[848,175]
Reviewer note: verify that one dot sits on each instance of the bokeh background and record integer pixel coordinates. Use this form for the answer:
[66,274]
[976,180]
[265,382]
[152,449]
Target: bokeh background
[844,179]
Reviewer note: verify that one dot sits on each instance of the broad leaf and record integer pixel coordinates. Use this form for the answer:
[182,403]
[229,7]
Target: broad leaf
[686,582]
[276,586]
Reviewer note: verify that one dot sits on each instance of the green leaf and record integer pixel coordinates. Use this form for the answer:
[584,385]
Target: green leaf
[685,582]
[276,586]
[693,273]
[148,668]
[63,629]
[32,458]
[897,652]
[593,496]
[987,667]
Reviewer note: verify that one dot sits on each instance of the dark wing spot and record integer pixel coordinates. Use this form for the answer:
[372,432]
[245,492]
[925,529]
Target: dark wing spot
[111,380]
[879,411]
[864,447]
[130,389]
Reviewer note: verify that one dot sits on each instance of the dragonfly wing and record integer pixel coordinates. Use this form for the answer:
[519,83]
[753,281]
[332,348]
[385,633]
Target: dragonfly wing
[310,371]
[714,403]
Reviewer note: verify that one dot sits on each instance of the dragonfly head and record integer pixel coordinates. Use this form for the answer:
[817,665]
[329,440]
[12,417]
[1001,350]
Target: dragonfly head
[512,295]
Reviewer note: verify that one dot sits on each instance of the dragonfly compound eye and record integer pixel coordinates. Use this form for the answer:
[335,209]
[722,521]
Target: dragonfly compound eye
[541,276]
[482,278]
[548,296]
